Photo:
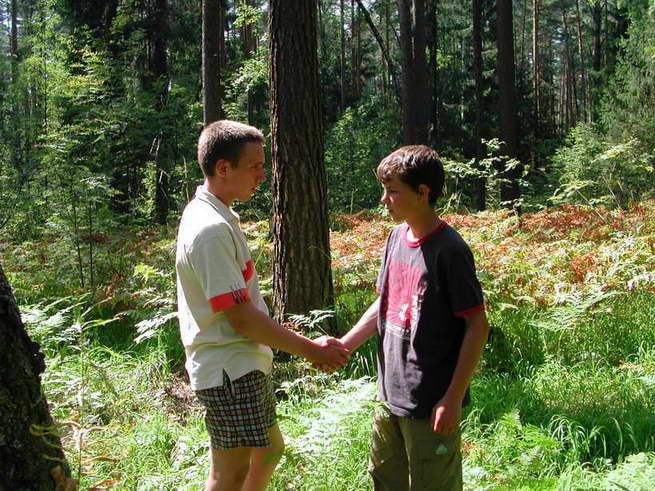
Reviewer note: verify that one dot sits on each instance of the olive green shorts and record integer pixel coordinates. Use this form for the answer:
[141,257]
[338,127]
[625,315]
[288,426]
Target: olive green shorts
[407,455]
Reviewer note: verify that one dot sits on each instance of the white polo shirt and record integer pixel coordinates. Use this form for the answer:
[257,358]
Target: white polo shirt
[215,271]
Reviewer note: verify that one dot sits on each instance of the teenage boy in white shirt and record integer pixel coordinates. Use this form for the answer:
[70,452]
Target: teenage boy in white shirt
[224,322]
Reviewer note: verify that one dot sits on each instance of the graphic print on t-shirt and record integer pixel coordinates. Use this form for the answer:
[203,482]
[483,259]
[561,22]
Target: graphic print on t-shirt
[405,288]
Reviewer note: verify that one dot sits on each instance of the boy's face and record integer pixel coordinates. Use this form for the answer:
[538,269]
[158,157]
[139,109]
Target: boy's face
[242,181]
[401,201]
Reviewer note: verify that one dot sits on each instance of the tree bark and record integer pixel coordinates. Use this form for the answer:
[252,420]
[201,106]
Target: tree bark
[212,35]
[481,197]
[159,69]
[509,130]
[302,276]
[596,51]
[583,70]
[342,59]
[13,40]
[249,48]
[30,449]
[415,77]
[535,67]
[571,90]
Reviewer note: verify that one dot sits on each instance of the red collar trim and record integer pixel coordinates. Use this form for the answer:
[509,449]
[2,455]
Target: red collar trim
[422,240]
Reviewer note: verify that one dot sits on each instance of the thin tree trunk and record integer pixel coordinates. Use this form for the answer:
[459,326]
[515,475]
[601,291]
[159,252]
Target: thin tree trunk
[13,40]
[596,54]
[523,29]
[343,55]
[30,448]
[249,49]
[302,276]
[571,78]
[481,196]
[159,64]
[508,116]
[415,85]
[212,28]
[535,67]
[583,70]
[354,49]
[431,35]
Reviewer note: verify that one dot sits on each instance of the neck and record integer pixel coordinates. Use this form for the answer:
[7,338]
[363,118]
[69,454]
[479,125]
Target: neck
[214,188]
[423,223]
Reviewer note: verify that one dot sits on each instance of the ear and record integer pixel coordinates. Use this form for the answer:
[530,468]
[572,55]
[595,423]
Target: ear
[221,167]
[424,191]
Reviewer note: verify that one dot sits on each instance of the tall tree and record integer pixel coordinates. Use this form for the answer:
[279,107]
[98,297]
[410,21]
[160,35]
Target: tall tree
[583,70]
[596,52]
[476,13]
[249,48]
[159,73]
[342,56]
[536,83]
[13,39]
[301,269]
[30,449]
[509,129]
[213,13]
[415,78]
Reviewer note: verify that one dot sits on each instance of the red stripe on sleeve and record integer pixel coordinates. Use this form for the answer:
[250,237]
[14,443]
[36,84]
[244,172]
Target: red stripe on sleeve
[472,310]
[249,271]
[222,302]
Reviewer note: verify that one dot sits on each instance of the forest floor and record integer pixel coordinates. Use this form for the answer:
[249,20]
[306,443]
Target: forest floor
[564,397]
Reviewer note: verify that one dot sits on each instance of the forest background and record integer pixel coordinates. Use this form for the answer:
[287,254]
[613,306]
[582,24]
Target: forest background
[544,114]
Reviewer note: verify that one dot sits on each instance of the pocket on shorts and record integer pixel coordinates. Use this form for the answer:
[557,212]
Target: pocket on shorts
[439,463]
[381,448]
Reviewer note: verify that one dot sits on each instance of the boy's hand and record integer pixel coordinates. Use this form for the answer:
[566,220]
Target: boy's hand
[335,346]
[445,416]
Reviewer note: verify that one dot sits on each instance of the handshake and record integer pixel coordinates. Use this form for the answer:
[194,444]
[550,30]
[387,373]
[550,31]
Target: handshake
[332,355]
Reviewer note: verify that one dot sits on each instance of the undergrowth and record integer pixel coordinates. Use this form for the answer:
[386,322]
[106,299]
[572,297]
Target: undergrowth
[564,397]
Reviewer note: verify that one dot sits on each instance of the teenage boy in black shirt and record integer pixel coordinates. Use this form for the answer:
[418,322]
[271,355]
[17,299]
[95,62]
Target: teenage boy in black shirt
[432,327]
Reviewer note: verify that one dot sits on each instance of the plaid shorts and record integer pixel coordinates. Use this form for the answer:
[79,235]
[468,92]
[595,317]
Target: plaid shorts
[239,412]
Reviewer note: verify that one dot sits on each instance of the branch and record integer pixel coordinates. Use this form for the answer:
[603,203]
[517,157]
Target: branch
[385,54]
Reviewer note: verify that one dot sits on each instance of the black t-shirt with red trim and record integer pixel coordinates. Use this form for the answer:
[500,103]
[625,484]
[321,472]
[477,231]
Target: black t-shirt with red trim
[426,288]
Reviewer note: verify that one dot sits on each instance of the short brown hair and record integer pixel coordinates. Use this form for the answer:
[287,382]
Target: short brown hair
[223,140]
[414,165]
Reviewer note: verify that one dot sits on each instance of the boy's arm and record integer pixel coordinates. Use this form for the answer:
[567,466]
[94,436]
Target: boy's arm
[447,412]
[365,328]
[249,321]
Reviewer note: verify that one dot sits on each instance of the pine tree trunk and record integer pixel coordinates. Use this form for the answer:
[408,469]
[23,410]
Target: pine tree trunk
[212,34]
[535,67]
[13,40]
[481,196]
[342,59]
[509,130]
[596,52]
[571,78]
[415,78]
[301,268]
[431,35]
[249,49]
[30,449]
[159,69]
[583,70]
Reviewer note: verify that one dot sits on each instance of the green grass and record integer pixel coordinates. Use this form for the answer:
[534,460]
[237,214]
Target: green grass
[564,397]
